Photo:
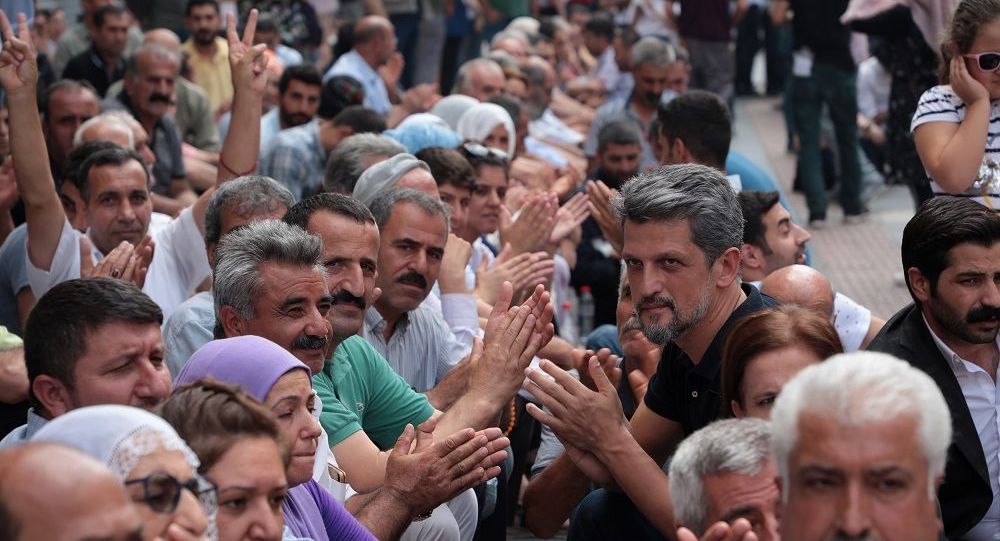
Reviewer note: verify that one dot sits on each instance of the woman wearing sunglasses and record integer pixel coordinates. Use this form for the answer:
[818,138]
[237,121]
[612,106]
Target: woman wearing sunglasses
[158,469]
[956,126]
[275,378]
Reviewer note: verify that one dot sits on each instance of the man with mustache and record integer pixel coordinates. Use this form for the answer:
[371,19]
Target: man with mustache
[951,262]
[772,241]
[682,236]
[651,64]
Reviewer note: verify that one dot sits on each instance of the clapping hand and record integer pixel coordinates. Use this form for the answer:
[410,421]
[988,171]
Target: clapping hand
[740,530]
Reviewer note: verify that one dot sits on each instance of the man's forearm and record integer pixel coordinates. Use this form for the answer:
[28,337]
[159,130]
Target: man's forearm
[451,387]
[380,513]
[474,409]
[552,495]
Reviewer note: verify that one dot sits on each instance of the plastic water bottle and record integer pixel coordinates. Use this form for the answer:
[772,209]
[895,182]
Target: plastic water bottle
[586,312]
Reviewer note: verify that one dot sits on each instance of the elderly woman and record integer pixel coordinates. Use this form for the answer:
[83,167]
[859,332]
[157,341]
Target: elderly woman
[158,469]
[491,125]
[275,378]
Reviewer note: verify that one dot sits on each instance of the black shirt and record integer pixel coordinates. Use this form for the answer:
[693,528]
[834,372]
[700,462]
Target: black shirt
[688,394]
[89,66]
[816,25]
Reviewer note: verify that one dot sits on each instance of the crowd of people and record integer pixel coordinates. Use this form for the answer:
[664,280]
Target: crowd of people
[422,270]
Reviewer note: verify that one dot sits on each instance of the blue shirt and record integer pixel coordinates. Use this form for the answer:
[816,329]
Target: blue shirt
[190,327]
[297,159]
[13,277]
[352,65]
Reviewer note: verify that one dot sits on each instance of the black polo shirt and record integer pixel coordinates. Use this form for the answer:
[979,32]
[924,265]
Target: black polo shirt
[689,394]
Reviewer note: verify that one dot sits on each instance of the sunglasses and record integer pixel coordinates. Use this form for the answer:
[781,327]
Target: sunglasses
[481,151]
[985,61]
[161,492]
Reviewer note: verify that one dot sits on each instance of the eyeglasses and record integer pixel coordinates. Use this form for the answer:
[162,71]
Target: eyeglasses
[161,492]
[985,61]
[481,151]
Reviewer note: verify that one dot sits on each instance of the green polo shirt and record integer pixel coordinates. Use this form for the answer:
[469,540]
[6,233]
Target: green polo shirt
[360,391]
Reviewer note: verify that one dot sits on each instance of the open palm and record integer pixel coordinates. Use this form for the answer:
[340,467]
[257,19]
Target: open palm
[18,67]
[246,60]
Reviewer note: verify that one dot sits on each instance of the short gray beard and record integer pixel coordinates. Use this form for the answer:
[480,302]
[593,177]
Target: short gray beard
[679,324]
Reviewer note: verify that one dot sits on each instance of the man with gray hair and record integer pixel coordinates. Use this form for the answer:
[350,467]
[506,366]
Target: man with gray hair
[150,77]
[480,78]
[353,156]
[652,59]
[861,442]
[682,235]
[723,479]
[235,204]
[399,171]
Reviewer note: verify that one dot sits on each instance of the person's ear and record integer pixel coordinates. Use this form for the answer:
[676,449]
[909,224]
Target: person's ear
[728,267]
[53,395]
[210,251]
[752,257]
[920,285]
[232,323]
[737,409]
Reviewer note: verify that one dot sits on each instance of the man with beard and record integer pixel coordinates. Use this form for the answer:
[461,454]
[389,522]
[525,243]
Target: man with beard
[598,263]
[208,53]
[298,101]
[652,59]
[682,235]
[87,342]
[951,263]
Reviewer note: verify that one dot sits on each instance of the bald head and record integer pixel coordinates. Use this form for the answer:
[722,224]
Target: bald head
[800,285]
[374,40]
[55,493]
[369,27]
[164,38]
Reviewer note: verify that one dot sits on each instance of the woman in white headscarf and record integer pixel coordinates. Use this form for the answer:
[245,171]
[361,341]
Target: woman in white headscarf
[451,108]
[158,469]
[491,125]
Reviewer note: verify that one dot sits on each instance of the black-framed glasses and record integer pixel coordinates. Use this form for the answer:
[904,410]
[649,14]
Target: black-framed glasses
[161,492]
[481,151]
[985,61]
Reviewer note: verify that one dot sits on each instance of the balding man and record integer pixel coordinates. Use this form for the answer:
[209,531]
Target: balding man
[52,492]
[511,42]
[801,285]
[374,45]
[480,78]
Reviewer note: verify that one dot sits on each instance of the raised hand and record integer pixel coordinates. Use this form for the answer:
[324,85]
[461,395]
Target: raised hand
[569,217]
[963,83]
[18,66]
[740,530]
[599,195]
[523,271]
[247,61]
[533,227]
[457,252]
[609,364]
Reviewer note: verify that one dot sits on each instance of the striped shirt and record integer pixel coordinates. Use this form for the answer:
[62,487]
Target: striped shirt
[941,104]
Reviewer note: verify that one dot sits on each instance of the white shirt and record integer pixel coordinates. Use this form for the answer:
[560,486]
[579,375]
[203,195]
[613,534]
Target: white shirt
[179,263]
[982,395]
[874,84]
[851,321]
[352,65]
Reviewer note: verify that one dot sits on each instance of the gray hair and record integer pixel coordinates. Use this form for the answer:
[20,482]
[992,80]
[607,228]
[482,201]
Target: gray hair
[242,253]
[349,159]
[509,33]
[154,50]
[245,196]
[109,118]
[461,78]
[741,446]
[694,192]
[653,52]
[382,206]
[384,175]
[856,389]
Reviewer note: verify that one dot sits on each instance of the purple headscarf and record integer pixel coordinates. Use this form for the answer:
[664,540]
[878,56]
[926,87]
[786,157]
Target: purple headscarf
[253,363]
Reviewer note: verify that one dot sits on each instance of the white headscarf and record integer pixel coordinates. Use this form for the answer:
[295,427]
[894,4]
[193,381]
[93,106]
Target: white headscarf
[118,436]
[451,108]
[477,123]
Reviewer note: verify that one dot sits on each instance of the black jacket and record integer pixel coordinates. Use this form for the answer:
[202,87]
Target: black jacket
[965,495]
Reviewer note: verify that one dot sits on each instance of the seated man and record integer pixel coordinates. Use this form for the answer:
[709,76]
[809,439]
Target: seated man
[114,186]
[951,261]
[91,341]
[861,442]
[103,63]
[771,241]
[480,78]
[724,473]
[49,491]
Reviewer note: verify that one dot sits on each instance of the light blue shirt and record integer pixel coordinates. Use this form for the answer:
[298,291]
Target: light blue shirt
[24,432]
[13,277]
[190,327]
[352,65]
[297,159]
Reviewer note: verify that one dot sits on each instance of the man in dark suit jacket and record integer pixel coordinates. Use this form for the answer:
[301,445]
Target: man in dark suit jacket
[951,262]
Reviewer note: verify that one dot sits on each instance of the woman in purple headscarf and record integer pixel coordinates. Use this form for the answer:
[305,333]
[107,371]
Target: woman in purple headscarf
[274,377]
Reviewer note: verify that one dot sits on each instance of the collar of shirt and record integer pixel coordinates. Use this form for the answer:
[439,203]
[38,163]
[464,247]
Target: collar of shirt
[124,98]
[954,360]
[376,323]
[221,51]
[98,61]
[357,64]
